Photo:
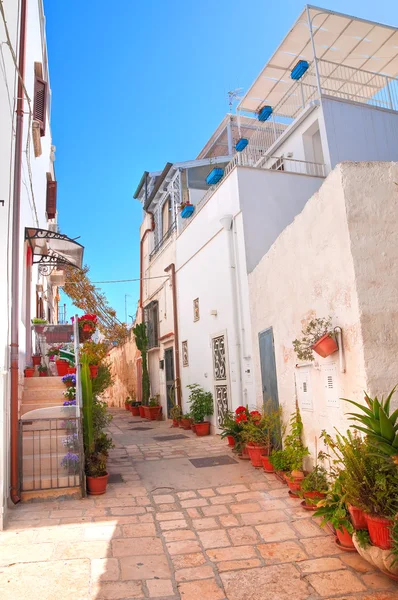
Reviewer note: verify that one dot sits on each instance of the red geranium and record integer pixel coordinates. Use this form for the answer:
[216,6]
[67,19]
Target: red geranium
[241,417]
[255,415]
[88,317]
[240,409]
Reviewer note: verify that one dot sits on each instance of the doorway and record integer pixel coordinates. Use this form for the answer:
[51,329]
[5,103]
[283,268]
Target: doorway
[170,386]
[268,368]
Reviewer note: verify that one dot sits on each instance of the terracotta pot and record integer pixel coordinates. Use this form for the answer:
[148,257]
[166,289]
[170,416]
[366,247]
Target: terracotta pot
[193,427]
[175,423]
[154,412]
[43,374]
[147,414]
[96,486]
[62,367]
[29,372]
[294,485]
[255,453]
[141,410]
[202,428]
[244,455]
[266,464]
[314,497]
[71,371]
[357,517]
[127,406]
[297,475]
[135,411]
[379,531]
[93,371]
[345,538]
[325,346]
[231,440]
[185,424]
[36,360]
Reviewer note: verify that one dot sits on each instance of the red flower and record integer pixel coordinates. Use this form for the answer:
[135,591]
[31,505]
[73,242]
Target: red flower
[255,415]
[240,409]
[241,417]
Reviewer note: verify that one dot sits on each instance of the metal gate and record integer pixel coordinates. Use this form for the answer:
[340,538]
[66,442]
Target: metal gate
[221,378]
[170,386]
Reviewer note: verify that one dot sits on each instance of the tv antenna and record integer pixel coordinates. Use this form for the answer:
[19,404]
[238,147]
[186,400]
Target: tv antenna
[233,96]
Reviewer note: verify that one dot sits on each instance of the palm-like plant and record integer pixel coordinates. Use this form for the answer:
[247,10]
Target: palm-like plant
[378,424]
[141,341]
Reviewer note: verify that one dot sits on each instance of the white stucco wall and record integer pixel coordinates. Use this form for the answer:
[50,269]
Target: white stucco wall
[309,272]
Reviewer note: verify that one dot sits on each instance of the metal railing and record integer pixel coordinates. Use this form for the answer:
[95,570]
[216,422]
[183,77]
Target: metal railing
[163,240]
[51,451]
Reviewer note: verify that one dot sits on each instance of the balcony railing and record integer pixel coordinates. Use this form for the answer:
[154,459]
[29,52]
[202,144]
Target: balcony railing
[163,240]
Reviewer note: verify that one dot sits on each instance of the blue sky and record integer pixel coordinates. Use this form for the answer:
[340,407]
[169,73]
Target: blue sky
[138,83]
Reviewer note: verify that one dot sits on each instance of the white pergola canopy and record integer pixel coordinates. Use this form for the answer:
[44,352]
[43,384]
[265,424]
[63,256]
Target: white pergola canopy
[338,38]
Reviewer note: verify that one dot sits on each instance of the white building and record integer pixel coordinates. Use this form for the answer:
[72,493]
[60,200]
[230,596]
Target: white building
[30,247]
[344,106]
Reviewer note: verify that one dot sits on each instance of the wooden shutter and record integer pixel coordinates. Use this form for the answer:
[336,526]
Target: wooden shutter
[40,103]
[51,203]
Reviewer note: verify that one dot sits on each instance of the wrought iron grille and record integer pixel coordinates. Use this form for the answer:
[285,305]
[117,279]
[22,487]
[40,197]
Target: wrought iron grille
[51,452]
[221,403]
[151,313]
[219,361]
[185,361]
[162,241]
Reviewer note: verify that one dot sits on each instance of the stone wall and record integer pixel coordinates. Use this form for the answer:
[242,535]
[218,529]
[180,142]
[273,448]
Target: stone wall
[123,367]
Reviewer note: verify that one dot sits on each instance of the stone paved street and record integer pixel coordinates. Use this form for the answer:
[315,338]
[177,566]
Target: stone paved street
[170,530]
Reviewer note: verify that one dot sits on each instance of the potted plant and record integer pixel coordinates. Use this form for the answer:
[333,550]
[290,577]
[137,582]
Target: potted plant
[70,393]
[295,452]
[176,414]
[53,352]
[280,463]
[43,371]
[29,371]
[333,509]
[36,359]
[127,403]
[185,422]
[71,370]
[135,408]
[201,406]
[141,340]
[69,380]
[242,415]
[38,324]
[255,435]
[318,337]
[87,326]
[230,429]
[153,410]
[314,486]
[96,466]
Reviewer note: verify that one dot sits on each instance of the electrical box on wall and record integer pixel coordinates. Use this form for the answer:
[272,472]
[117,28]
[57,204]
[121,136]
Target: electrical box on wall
[330,384]
[304,389]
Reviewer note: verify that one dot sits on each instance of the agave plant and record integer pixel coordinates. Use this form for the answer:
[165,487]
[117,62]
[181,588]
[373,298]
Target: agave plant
[378,424]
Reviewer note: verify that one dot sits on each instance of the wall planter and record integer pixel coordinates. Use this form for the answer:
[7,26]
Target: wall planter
[154,412]
[187,211]
[214,176]
[264,113]
[135,411]
[36,360]
[96,486]
[255,453]
[185,424]
[29,372]
[93,371]
[141,410]
[71,371]
[325,346]
[344,539]
[231,441]
[202,429]
[266,464]
[357,517]
[379,531]
[241,144]
[62,367]
[299,70]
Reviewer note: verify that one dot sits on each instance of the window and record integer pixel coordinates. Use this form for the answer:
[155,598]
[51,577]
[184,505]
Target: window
[40,99]
[185,361]
[51,200]
[151,313]
[196,315]
[166,216]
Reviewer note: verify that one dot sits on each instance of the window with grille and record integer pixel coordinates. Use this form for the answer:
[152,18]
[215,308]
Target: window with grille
[151,313]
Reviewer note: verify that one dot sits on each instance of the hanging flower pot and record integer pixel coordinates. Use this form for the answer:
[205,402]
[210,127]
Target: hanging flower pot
[96,486]
[93,371]
[266,464]
[231,441]
[325,346]
[379,531]
[357,517]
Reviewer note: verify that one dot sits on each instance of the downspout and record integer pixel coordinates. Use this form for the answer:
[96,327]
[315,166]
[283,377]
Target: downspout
[227,223]
[14,346]
[172,268]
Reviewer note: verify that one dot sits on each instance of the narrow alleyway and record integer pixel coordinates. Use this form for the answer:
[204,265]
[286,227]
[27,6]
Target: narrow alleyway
[170,529]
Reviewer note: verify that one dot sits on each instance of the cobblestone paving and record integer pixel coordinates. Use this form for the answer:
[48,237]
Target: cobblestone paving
[242,540]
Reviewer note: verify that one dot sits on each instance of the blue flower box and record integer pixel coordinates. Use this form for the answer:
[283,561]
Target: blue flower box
[265,113]
[214,176]
[299,69]
[241,144]
[187,211]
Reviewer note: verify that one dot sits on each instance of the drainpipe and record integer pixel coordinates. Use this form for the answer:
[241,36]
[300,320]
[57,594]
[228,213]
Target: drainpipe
[14,346]
[172,268]
[227,223]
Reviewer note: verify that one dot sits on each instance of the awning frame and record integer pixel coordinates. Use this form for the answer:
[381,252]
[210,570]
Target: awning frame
[51,259]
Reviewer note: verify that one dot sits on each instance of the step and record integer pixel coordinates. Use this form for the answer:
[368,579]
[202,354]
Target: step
[43,395]
[62,493]
[43,383]
[25,408]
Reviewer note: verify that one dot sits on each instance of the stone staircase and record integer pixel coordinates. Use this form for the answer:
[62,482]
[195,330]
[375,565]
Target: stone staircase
[43,440]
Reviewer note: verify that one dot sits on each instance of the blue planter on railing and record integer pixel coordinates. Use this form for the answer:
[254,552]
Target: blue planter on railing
[187,211]
[299,69]
[265,113]
[214,176]
[241,144]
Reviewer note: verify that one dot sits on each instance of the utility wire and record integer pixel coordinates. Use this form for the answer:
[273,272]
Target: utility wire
[122,280]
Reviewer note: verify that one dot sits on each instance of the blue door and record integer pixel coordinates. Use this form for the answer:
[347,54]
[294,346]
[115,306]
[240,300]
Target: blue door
[268,367]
